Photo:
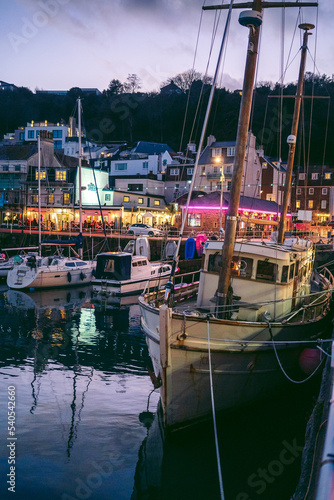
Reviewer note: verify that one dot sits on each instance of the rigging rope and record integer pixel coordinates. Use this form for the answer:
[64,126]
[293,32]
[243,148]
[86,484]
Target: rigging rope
[214,417]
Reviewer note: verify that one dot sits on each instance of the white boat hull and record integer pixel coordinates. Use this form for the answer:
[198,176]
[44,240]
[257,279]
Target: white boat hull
[242,371]
[53,277]
[129,287]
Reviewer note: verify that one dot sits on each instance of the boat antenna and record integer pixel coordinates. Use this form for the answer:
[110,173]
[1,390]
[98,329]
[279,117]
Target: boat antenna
[39,195]
[80,191]
[291,140]
[169,285]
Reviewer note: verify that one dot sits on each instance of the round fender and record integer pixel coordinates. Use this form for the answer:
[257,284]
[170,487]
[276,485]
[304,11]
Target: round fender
[82,276]
[69,277]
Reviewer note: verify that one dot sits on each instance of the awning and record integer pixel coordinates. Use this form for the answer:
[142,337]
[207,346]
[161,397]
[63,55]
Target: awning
[259,221]
[148,214]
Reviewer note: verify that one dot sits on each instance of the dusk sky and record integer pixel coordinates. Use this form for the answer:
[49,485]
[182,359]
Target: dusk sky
[59,44]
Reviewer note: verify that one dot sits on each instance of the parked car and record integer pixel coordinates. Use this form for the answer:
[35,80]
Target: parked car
[137,229]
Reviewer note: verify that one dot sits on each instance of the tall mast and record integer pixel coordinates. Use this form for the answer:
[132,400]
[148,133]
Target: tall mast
[39,194]
[80,192]
[294,129]
[253,20]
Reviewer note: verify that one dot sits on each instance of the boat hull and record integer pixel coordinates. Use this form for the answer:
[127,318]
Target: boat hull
[26,277]
[128,287]
[242,370]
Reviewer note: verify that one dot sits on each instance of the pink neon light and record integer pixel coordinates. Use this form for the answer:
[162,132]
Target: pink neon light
[240,210]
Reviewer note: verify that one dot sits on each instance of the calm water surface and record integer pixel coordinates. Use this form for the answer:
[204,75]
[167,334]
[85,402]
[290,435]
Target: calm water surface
[85,428]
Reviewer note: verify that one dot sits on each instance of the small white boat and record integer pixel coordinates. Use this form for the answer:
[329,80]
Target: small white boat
[50,272]
[120,273]
[5,266]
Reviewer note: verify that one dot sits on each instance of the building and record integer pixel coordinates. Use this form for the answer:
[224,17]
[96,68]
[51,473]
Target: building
[314,193]
[218,158]
[30,133]
[273,179]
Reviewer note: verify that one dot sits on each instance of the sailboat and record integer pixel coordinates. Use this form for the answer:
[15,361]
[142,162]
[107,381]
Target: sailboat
[57,270]
[259,308]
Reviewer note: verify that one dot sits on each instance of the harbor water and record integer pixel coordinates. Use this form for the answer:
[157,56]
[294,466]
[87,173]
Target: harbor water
[86,424]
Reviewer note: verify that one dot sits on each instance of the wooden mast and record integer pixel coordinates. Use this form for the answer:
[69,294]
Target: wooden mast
[241,144]
[294,130]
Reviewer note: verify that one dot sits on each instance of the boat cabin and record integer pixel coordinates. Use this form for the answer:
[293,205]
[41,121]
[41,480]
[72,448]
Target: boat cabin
[261,273]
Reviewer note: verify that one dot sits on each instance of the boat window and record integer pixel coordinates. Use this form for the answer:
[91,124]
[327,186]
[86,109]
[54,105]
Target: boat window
[297,267]
[143,263]
[153,272]
[266,270]
[242,267]
[70,264]
[215,263]
[80,264]
[292,268]
[285,274]
[134,264]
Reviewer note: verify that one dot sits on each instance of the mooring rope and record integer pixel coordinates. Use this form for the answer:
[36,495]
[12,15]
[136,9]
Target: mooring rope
[281,366]
[214,417]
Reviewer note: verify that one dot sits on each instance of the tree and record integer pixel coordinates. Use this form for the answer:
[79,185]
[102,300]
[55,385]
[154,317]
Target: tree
[132,84]
[115,87]
[185,79]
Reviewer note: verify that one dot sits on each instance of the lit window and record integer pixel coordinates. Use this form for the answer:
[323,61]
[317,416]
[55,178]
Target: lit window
[126,198]
[310,203]
[60,175]
[315,177]
[140,201]
[51,198]
[66,198]
[31,134]
[156,202]
[297,204]
[328,175]
[34,199]
[42,176]
[194,220]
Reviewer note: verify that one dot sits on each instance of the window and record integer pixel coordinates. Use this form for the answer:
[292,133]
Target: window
[315,177]
[58,144]
[230,151]
[174,171]
[34,199]
[266,270]
[324,191]
[311,191]
[301,177]
[323,204]
[285,271]
[299,191]
[292,271]
[121,166]
[107,197]
[51,198]
[242,267]
[57,134]
[5,168]
[21,136]
[310,203]
[31,134]
[194,220]
[216,152]
[156,202]
[328,176]
[17,168]
[145,164]
[42,175]
[140,201]
[60,175]
[298,204]
[228,169]
[264,165]
[126,198]
[135,187]
[190,171]
[229,184]
[66,198]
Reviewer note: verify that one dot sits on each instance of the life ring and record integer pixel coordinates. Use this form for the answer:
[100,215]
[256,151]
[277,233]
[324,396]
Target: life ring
[82,276]
[69,277]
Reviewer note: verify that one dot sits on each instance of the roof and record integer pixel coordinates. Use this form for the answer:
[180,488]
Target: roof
[151,148]
[246,202]
[17,151]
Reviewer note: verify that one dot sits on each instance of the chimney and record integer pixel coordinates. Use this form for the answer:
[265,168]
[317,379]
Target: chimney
[211,140]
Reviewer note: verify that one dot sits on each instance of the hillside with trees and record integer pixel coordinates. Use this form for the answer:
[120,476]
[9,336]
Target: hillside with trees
[124,113]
